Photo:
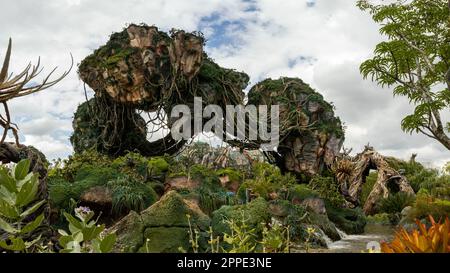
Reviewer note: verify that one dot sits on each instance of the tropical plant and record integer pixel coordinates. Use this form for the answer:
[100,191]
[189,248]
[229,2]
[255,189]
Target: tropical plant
[422,240]
[22,84]
[327,188]
[18,192]
[426,204]
[414,60]
[130,194]
[275,238]
[85,235]
[395,203]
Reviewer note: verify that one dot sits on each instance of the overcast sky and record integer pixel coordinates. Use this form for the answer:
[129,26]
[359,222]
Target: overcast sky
[322,42]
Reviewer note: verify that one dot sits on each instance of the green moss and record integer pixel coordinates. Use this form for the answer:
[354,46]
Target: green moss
[255,213]
[171,210]
[157,166]
[328,189]
[351,221]
[301,192]
[233,175]
[165,240]
[130,233]
[379,218]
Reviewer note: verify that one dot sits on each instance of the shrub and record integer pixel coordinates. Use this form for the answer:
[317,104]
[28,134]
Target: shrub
[267,179]
[368,186]
[68,168]
[18,192]
[157,166]
[61,191]
[395,203]
[379,218]
[426,204]
[85,235]
[130,194]
[302,192]
[328,189]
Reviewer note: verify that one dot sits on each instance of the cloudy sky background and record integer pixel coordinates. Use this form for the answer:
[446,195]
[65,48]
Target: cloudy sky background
[321,41]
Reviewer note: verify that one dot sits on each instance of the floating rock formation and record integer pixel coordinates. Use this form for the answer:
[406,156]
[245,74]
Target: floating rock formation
[310,134]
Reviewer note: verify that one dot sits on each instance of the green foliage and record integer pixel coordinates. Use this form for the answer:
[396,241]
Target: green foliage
[413,60]
[254,212]
[62,191]
[132,164]
[233,175]
[379,218]
[85,235]
[130,194]
[351,221]
[243,237]
[267,179]
[426,205]
[18,192]
[368,186]
[157,166]
[328,189]
[68,169]
[395,203]
[302,192]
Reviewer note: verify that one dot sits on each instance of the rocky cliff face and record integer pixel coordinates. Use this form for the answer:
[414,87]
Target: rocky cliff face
[310,134]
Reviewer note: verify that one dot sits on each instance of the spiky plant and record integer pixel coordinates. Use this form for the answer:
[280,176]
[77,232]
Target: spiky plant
[20,85]
[432,240]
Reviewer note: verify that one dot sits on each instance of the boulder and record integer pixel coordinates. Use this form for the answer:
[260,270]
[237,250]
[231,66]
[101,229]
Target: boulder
[317,205]
[163,227]
[254,213]
[351,221]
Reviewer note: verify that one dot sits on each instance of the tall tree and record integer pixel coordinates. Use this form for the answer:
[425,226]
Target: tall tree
[415,60]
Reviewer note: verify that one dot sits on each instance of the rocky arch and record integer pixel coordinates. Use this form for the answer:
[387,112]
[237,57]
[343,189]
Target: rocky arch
[351,173]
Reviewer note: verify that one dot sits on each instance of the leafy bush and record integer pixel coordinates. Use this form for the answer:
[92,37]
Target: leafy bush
[395,203]
[130,194]
[426,204]
[157,166]
[67,169]
[266,179]
[232,174]
[18,191]
[301,192]
[379,218]
[328,189]
[61,191]
[351,221]
[368,186]
[85,234]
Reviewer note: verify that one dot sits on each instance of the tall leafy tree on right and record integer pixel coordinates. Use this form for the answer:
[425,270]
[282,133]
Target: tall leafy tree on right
[415,60]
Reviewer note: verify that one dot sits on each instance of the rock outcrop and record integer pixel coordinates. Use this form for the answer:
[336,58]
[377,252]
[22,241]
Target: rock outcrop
[163,227]
[310,134]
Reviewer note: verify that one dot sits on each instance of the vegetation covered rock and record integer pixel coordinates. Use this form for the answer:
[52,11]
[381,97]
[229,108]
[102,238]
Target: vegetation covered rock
[165,224]
[310,133]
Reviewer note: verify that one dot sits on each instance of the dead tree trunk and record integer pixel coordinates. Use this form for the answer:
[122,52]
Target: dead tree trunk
[351,174]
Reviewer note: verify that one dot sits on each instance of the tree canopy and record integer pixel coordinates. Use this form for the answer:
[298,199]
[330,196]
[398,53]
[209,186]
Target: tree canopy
[415,60]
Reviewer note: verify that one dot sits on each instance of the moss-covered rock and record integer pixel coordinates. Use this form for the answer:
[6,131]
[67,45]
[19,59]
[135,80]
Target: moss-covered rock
[351,221]
[130,233]
[165,224]
[165,240]
[310,132]
[171,210]
[254,213]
